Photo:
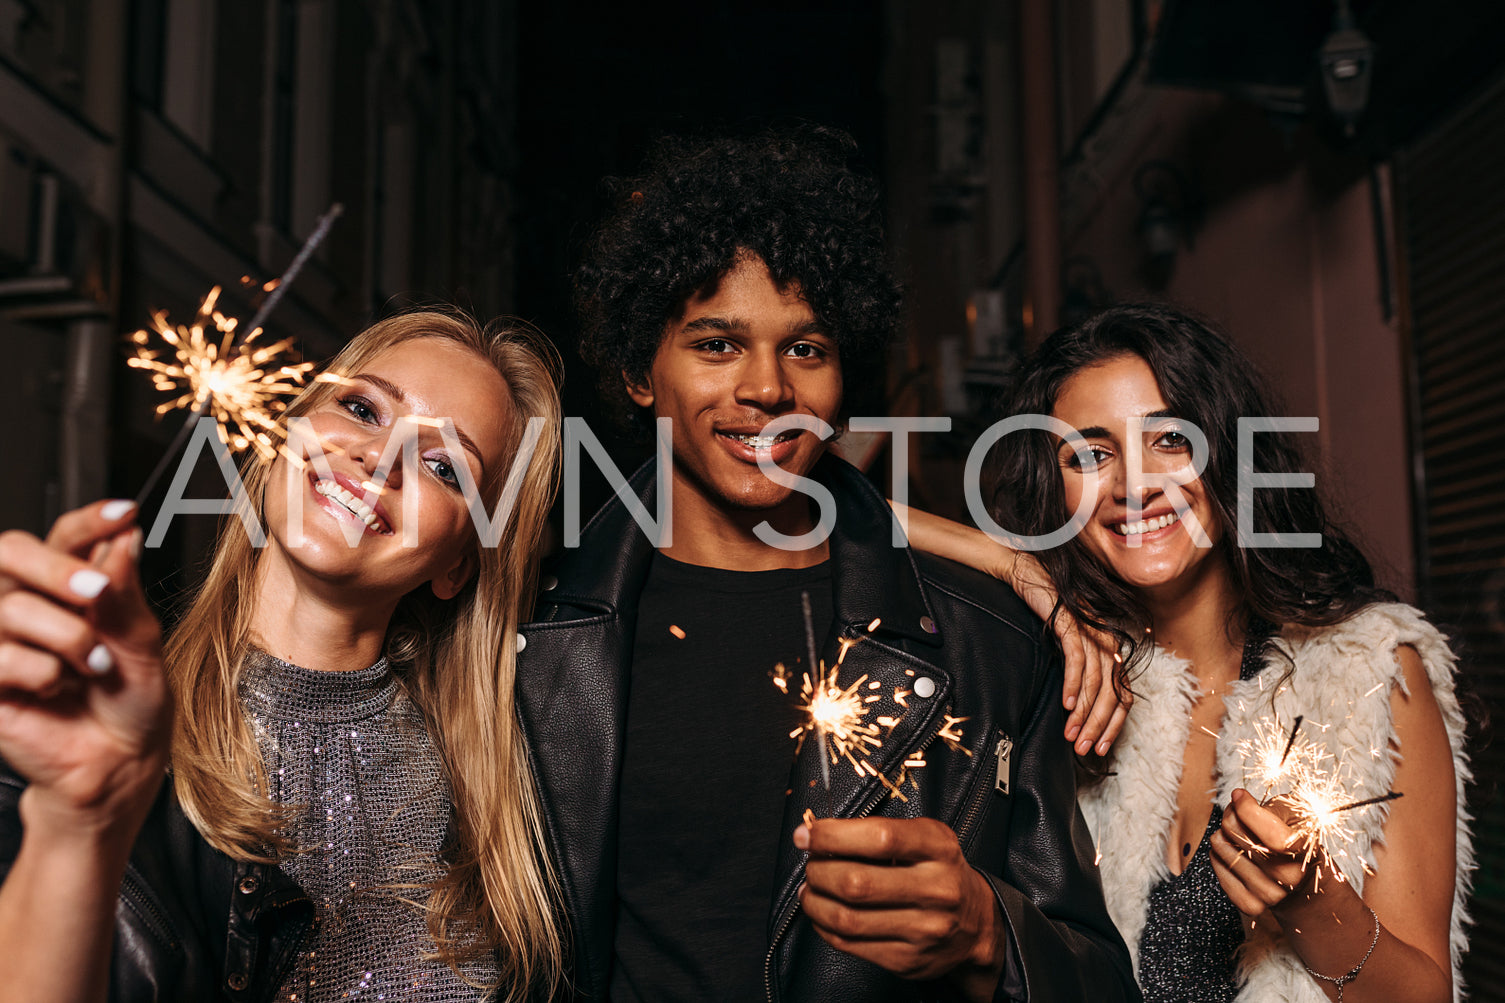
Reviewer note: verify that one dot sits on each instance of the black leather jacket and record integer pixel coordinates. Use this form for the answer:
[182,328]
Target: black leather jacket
[191,924]
[1013,808]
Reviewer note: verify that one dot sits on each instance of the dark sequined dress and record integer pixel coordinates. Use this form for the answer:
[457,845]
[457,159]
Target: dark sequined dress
[351,750]
[1192,931]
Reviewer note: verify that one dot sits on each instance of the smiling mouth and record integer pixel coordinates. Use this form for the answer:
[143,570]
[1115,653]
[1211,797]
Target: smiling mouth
[761,441]
[1146,525]
[353,504]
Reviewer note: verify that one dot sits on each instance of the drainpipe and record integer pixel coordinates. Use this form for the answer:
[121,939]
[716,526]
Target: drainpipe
[94,341]
[1042,159]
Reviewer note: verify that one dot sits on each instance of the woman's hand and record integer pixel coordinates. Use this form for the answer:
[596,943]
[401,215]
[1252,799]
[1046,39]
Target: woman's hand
[1258,857]
[85,714]
[1097,706]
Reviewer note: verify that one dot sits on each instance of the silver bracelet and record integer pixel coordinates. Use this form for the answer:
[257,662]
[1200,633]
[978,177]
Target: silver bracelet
[1352,973]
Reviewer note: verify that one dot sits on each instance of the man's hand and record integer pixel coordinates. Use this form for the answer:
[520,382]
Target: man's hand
[899,893]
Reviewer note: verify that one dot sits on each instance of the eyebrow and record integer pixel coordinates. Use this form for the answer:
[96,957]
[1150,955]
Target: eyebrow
[736,325]
[394,391]
[1099,432]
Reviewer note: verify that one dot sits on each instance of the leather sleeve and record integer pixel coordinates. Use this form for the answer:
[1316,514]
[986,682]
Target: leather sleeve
[1050,892]
[11,787]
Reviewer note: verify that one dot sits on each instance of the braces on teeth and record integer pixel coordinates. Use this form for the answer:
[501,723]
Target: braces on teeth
[760,441]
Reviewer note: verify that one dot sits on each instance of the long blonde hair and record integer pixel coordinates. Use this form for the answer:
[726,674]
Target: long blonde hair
[456,660]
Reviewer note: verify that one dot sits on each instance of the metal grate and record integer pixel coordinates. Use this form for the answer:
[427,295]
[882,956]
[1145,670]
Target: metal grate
[1452,207]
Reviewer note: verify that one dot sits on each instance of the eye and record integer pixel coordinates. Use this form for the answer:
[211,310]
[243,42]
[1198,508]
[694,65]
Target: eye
[1087,457]
[806,350]
[359,408]
[443,469]
[1173,441]
[715,346]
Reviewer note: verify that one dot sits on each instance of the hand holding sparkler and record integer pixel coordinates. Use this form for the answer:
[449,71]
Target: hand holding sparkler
[900,893]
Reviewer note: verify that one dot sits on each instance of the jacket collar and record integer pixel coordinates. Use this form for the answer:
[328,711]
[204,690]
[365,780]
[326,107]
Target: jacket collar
[873,580]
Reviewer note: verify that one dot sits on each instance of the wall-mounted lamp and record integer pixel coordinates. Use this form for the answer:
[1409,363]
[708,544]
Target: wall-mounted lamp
[1347,61]
[1169,212]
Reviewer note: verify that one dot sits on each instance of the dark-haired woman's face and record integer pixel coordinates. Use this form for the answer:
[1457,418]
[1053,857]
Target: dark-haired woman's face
[1148,515]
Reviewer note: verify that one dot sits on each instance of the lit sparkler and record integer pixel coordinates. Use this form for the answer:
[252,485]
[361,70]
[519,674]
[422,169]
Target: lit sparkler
[1316,787]
[238,384]
[1276,759]
[838,716]
[838,719]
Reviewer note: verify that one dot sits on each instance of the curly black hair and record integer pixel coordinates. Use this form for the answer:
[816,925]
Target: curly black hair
[789,196]
[1207,381]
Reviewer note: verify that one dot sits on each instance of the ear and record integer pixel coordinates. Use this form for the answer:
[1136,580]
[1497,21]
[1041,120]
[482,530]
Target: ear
[640,392]
[447,584]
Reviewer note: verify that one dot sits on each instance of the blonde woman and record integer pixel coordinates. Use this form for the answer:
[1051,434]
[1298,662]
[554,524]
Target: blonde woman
[348,812]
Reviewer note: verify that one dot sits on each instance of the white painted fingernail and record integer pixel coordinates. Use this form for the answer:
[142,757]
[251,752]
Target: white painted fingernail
[100,659]
[117,509]
[87,584]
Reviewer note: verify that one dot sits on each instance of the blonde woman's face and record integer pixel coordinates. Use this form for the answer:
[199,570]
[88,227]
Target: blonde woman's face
[338,520]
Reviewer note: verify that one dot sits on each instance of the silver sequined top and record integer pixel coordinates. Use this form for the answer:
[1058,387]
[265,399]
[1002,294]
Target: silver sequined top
[353,751]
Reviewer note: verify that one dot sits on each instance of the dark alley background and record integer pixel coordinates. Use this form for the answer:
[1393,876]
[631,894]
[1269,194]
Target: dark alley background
[1321,178]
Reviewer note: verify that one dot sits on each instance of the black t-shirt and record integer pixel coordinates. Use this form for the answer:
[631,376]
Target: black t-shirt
[705,776]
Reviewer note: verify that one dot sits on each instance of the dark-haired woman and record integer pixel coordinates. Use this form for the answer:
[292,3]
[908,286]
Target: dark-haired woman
[1232,629]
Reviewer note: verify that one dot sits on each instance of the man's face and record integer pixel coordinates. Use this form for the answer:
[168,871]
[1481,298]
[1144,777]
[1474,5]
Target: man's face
[731,363]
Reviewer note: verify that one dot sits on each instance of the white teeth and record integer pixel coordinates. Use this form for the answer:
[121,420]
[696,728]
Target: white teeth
[329,489]
[1146,525]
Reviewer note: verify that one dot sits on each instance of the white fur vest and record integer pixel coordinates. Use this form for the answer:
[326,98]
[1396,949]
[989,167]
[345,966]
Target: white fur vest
[1342,680]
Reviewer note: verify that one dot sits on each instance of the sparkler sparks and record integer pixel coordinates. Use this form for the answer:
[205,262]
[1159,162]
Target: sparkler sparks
[1277,760]
[838,716]
[236,384]
[838,719]
[1317,788]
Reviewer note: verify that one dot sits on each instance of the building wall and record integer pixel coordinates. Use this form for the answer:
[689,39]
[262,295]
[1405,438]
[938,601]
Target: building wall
[1284,256]
[1283,252]
[193,143]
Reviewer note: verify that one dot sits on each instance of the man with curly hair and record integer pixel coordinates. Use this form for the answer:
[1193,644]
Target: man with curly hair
[932,851]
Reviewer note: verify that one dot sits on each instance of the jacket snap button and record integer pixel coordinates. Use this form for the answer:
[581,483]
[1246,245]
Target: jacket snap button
[927,625]
[249,884]
[924,687]
[549,582]
[522,642]
[237,982]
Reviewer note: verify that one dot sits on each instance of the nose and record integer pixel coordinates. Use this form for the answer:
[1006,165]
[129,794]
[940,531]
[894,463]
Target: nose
[762,383]
[368,454]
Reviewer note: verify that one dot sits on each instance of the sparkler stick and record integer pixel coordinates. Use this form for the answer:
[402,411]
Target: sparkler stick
[236,383]
[1295,728]
[812,671]
[1388,796]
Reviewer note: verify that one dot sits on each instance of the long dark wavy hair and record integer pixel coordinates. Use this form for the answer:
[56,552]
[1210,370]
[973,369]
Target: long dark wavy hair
[1207,381]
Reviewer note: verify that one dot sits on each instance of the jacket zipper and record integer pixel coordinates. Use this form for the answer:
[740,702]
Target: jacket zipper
[868,809]
[139,898]
[1003,749]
